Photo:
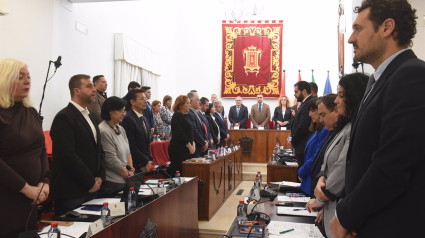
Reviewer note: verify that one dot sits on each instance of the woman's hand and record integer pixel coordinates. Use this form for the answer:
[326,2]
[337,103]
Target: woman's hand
[319,217]
[32,192]
[312,205]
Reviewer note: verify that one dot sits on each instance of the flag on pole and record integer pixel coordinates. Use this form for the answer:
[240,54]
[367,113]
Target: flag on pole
[282,89]
[299,75]
[312,76]
[328,88]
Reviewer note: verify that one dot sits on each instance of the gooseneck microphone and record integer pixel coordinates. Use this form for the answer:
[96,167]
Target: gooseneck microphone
[57,64]
[30,234]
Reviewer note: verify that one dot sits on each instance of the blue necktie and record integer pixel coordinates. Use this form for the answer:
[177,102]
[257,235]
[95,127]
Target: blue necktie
[259,107]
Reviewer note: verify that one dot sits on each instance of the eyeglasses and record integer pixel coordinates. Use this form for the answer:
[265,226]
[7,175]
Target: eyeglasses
[144,99]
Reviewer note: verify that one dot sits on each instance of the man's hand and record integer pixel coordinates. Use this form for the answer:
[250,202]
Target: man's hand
[312,205]
[205,147]
[338,231]
[318,193]
[96,186]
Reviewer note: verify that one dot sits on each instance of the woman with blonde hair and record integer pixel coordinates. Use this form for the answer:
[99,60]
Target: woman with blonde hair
[23,159]
[282,113]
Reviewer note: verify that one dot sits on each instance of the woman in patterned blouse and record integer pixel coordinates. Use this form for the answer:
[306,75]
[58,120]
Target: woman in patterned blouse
[166,115]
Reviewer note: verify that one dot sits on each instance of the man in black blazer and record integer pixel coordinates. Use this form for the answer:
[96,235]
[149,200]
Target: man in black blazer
[221,122]
[201,113]
[147,112]
[299,129]
[199,133]
[238,114]
[78,157]
[385,166]
[137,129]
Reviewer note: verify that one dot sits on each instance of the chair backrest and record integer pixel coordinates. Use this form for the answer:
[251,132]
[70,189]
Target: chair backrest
[248,123]
[48,143]
[271,125]
[166,144]
[246,144]
[158,154]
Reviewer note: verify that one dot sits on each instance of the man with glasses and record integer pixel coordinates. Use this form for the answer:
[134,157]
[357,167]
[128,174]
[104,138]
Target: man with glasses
[260,113]
[138,131]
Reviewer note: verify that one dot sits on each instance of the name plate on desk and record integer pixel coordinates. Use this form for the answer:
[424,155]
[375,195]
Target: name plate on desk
[236,127]
[117,209]
[261,128]
[283,128]
[94,228]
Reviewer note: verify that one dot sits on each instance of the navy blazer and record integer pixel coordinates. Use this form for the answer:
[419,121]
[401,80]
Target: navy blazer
[199,134]
[223,128]
[207,124]
[386,157]
[241,119]
[77,158]
[147,113]
[138,139]
[299,128]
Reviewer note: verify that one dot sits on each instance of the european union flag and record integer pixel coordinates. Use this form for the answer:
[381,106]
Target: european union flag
[328,88]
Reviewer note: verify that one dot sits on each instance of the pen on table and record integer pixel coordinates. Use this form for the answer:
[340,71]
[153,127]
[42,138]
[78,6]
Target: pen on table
[283,232]
[299,209]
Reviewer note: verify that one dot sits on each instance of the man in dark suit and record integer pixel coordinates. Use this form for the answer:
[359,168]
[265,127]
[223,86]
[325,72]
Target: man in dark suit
[201,113]
[148,111]
[221,122]
[78,157]
[386,157]
[214,99]
[131,86]
[137,129]
[238,114]
[199,133]
[299,129]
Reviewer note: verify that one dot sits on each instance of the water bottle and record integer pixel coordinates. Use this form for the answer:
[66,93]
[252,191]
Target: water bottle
[222,151]
[241,209]
[255,191]
[209,154]
[131,202]
[105,215]
[177,180]
[161,188]
[54,231]
[260,179]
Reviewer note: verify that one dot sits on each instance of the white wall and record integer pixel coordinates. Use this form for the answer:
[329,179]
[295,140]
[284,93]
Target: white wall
[186,33]
[418,41]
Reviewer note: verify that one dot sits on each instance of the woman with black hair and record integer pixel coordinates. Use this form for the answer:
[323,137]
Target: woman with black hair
[119,165]
[215,130]
[331,182]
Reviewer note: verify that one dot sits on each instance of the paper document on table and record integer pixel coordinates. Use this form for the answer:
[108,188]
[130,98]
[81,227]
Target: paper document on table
[100,201]
[300,230]
[145,192]
[291,163]
[296,211]
[288,184]
[292,199]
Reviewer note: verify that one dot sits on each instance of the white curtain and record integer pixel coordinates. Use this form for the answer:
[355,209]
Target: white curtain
[133,62]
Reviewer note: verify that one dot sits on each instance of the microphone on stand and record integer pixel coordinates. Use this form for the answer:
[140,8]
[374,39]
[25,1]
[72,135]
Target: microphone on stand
[34,234]
[57,64]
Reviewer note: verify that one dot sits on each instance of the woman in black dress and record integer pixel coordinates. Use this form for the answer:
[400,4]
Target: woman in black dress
[181,144]
[23,159]
[282,114]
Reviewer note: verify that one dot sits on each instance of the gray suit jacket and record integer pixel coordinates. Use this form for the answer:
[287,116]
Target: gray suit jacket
[333,168]
[96,106]
[258,118]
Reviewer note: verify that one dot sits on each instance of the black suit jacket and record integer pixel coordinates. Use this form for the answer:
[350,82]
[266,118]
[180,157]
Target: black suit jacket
[278,116]
[299,128]
[214,129]
[207,124]
[77,158]
[222,127]
[241,119]
[386,158]
[138,139]
[147,113]
[199,134]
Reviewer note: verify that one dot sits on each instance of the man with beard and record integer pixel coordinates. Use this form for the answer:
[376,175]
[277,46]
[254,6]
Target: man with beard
[78,157]
[299,131]
[385,164]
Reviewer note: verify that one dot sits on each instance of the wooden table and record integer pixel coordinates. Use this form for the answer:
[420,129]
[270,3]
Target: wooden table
[276,173]
[263,144]
[175,215]
[220,178]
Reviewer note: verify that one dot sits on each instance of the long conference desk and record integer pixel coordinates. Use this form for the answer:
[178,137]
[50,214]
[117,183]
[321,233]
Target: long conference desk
[263,144]
[220,178]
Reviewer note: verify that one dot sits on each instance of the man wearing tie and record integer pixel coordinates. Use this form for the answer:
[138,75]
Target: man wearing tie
[221,122]
[148,111]
[199,131]
[137,129]
[202,109]
[238,114]
[385,164]
[260,113]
